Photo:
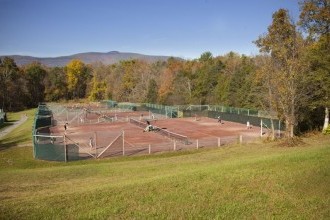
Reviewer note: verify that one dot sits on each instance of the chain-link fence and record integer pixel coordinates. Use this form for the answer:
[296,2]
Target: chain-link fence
[89,143]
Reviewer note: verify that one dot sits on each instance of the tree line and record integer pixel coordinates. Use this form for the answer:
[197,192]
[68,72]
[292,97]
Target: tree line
[289,78]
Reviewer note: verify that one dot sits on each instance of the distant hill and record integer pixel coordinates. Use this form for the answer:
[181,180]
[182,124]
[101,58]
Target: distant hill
[89,57]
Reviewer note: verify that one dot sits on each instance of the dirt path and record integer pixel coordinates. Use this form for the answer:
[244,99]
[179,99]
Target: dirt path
[8,129]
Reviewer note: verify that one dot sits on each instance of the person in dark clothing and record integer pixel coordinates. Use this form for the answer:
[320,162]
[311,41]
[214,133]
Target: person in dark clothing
[219,119]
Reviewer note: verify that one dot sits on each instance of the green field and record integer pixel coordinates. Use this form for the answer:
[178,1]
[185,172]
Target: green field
[254,181]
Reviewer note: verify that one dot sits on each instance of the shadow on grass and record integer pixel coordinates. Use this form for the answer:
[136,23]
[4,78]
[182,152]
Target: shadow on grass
[6,124]
[7,143]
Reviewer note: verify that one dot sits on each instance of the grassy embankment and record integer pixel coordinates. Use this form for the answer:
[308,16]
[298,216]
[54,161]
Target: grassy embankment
[258,180]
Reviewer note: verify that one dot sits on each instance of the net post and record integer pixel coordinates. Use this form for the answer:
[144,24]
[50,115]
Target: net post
[240,138]
[261,128]
[174,142]
[149,149]
[219,142]
[197,144]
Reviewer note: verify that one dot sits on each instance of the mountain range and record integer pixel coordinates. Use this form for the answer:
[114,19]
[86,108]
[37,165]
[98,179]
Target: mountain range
[89,57]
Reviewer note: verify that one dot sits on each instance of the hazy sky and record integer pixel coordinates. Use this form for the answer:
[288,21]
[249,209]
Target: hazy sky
[183,28]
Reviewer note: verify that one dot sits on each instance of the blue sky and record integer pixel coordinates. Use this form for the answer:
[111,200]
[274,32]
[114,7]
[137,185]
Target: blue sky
[183,28]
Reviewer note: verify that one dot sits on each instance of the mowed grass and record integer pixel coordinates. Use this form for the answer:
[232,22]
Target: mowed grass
[254,181]
[21,136]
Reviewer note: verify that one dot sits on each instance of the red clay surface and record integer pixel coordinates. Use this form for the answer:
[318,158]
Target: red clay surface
[205,132]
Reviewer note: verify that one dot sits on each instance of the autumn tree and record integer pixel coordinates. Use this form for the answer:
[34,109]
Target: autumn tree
[265,82]
[114,74]
[167,78]
[184,82]
[283,43]
[97,89]
[128,80]
[142,73]
[77,75]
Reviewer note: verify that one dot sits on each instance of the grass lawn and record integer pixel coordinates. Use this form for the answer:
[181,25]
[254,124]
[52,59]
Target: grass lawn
[21,136]
[254,181]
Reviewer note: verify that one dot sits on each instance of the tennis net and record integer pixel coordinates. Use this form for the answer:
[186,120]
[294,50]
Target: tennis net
[166,133]
[172,135]
[138,123]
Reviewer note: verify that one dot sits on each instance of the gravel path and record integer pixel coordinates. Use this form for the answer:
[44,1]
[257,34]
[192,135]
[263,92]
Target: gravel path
[13,126]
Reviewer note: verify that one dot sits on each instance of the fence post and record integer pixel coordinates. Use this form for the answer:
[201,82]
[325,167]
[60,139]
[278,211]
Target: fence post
[219,142]
[65,150]
[149,149]
[279,128]
[240,139]
[123,142]
[95,138]
[95,144]
[261,128]
[174,145]
[197,143]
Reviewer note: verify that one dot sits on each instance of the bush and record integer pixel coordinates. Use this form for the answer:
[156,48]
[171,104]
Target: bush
[327,131]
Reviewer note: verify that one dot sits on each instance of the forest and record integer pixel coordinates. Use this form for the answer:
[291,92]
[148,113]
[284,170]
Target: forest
[289,77]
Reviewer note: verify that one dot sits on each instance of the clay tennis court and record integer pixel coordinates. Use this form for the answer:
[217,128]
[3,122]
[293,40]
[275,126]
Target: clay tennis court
[119,136]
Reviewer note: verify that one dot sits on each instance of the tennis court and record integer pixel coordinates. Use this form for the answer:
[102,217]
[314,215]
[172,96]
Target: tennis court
[123,134]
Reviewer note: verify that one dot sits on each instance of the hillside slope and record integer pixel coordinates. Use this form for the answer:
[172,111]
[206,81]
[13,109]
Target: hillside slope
[89,57]
[253,181]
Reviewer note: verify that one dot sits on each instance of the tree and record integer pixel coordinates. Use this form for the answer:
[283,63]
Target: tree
[206,78]
[10,85]
[128,80]
[230,65]
[142,75]
[240,84]
[315,19]
[167,78]
[98,87]
[152,91]
[55,84]
[266,82]
[284,44]
[184,82]
[35,74]
[98,91]
[77,75]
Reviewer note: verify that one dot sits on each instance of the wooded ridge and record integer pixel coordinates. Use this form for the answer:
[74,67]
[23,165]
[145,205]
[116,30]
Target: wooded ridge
[88,58]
